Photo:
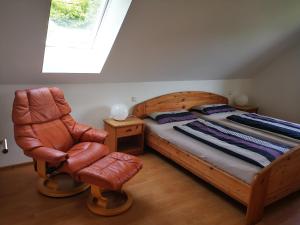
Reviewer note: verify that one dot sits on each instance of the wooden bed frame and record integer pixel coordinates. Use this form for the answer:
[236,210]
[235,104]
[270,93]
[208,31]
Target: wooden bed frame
[272,183]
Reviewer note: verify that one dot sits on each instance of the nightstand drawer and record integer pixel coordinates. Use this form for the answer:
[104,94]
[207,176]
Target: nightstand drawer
[129,131]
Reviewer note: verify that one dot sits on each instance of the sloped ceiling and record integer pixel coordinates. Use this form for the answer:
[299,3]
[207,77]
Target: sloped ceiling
[159,40]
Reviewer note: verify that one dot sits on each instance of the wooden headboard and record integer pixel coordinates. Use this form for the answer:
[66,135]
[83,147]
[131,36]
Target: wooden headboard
[176,101]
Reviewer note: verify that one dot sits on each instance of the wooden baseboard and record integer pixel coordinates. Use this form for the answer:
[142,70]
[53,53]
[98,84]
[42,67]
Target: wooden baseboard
[15,166]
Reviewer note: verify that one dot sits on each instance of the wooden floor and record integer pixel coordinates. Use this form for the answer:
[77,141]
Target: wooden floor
[164,194]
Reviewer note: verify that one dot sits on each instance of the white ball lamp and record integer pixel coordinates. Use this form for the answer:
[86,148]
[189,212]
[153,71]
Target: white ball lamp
[241,100]
[119,112]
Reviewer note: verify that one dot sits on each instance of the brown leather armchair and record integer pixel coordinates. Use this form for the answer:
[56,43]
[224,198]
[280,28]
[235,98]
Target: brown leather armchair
[46,131]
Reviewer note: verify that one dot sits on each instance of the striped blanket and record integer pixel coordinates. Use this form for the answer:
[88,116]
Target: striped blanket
[252,149]
[266,123]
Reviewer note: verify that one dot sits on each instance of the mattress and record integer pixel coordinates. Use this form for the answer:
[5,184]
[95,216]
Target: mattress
[266,123]
[250,148]
[230,164]
[221,118]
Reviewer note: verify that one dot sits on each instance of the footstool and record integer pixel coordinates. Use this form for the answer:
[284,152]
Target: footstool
[106,177]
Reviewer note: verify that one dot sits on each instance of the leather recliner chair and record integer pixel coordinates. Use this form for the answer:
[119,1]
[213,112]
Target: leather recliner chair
[59,146]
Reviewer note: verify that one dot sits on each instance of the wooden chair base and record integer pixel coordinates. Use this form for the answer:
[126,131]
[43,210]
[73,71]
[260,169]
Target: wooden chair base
[108,203]
[60,185]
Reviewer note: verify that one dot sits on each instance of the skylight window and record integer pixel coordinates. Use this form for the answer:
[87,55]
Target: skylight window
[81,34]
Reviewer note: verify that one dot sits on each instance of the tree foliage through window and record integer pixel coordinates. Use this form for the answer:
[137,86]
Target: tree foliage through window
[73,13]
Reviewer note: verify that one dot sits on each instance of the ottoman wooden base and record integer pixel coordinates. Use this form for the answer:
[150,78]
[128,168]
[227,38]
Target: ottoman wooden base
[108,203]
[106,177]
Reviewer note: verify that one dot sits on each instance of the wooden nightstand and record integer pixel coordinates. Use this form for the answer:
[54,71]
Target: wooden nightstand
[125,136]
[247,108]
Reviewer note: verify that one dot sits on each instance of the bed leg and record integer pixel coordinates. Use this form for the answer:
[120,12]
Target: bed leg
[255,208]
[254,214]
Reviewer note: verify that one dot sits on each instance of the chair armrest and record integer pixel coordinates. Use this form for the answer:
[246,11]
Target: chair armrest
[82,132]
[94,135]
[48,154]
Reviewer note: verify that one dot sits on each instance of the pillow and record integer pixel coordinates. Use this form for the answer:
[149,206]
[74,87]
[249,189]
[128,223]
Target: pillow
[174,116]
[213,108]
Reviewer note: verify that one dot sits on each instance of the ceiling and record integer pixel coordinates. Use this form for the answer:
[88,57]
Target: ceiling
[159,40]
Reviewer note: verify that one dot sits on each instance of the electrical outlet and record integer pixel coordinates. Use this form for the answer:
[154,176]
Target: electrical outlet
[133,99]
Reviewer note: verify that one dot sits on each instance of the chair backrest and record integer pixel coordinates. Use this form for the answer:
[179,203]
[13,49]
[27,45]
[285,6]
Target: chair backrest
[37,120]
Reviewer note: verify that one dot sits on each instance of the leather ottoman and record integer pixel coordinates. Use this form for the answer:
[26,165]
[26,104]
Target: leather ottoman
[106,177]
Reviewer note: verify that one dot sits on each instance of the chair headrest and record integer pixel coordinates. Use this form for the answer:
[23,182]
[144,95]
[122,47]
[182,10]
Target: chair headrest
[39,105]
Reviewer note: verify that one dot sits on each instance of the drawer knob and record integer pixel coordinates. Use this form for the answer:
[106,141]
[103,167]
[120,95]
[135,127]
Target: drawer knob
[128,130]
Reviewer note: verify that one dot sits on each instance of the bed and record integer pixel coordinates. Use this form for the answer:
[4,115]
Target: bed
[261,188]
[222,118]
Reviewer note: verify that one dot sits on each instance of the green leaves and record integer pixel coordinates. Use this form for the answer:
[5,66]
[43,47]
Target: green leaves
[73,13]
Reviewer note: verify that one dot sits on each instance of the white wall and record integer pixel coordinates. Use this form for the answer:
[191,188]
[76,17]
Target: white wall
[276,89]
[91,102]
[159,40]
